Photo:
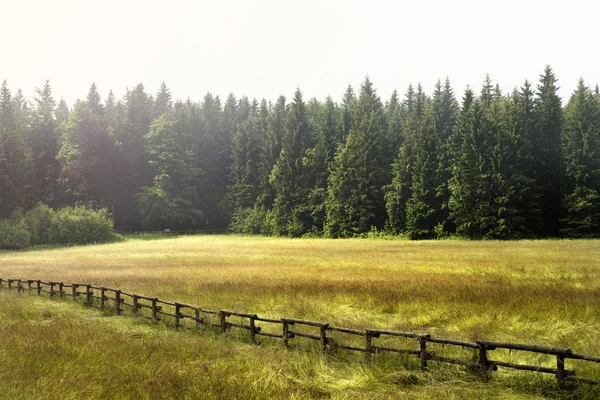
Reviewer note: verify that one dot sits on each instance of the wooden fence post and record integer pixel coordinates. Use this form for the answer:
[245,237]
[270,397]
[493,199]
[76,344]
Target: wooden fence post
[118,302]
[19,286]
[369,346]
[74,293]
[88,295]
[423,351]
[154,309]
[323,334]
[102,297]
[286,329]
[9,281]
[252,330]
[61,292]
[52,290]
[29,288]
[135,303]
[223,319]
[1,283]
[483,360]
[198,323]
[39,287]
[177,315]
[560,370]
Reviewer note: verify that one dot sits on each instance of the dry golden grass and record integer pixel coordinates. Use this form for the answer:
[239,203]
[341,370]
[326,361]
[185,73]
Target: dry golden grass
[542,292]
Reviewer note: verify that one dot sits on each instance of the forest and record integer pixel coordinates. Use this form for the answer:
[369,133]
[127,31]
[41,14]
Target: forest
[488,165]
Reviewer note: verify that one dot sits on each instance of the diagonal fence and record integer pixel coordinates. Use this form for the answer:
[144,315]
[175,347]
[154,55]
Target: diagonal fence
[331,338]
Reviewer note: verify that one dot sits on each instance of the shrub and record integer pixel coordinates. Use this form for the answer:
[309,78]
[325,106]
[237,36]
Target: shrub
[41,223]
[80,225]
[13,234]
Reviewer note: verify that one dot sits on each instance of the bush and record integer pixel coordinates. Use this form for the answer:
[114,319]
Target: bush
[13,234]
[41,223]
[80,225]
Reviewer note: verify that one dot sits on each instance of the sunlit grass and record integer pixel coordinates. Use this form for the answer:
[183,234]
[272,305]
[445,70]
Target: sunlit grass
[540,292]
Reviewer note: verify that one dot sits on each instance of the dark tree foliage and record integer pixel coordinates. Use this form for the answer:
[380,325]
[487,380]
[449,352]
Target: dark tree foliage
[355,189]
[497,166]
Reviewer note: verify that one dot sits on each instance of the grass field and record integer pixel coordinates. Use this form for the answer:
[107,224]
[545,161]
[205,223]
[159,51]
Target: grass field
[539,292]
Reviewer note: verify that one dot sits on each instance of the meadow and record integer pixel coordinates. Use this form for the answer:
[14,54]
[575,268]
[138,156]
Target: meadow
[540,292]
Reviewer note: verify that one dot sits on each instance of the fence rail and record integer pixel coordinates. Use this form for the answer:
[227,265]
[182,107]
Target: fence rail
[291,328]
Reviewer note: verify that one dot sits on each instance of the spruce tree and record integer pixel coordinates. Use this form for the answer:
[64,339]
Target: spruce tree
[44,146]
[548,164]
[355,196]
[14,158]
[273,134]
[398,192]
[174,199]
[445,108]
[581,141]
[288,178]
[163,102]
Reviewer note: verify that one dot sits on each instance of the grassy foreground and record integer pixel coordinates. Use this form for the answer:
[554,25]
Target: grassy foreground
[542,292]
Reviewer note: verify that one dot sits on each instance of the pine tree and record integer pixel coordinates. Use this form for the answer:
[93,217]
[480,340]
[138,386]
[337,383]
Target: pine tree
[424,206]
[348,103]
[548,158]
[355,195]
[319,159]
[86,158]
[523,206]
[445,108]
[468,140]
[270,152]
[581,138]
[398,192]
[173,200]
[163,102]
[44,146]
[288,178]
[14,159]
[94,100]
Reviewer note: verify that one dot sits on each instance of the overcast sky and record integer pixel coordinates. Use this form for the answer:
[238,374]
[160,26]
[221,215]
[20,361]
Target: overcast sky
[269,47]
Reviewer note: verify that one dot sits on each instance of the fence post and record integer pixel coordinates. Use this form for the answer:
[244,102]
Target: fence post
[198,323]
[61,292]
[1,283]
[177,315]
[88,295]
[253,330]
[223,319]
[483,360]
[9,281]
[154,309]
[39,287]
[19,286]
[74,293]
[560,370]
[102,297]
[368,346]
[323,334]
[52,289]
[118,302]
[29,288]
[286,329]
[423,351]
[135,303]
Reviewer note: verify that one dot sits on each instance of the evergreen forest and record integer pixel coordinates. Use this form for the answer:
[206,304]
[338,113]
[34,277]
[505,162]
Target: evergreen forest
[487,165]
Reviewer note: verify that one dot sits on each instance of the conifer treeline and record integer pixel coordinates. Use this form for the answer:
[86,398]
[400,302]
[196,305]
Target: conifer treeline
[494,165]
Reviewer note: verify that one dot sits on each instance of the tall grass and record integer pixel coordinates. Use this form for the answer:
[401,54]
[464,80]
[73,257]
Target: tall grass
[543,292]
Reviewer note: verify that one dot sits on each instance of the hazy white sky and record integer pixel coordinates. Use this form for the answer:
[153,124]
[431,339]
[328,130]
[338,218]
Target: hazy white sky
[268,47]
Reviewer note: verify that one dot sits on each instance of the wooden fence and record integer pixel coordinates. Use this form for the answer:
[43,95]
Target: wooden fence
[369,341]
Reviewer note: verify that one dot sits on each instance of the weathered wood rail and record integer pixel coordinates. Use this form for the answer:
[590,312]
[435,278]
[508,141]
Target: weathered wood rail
[289,328]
